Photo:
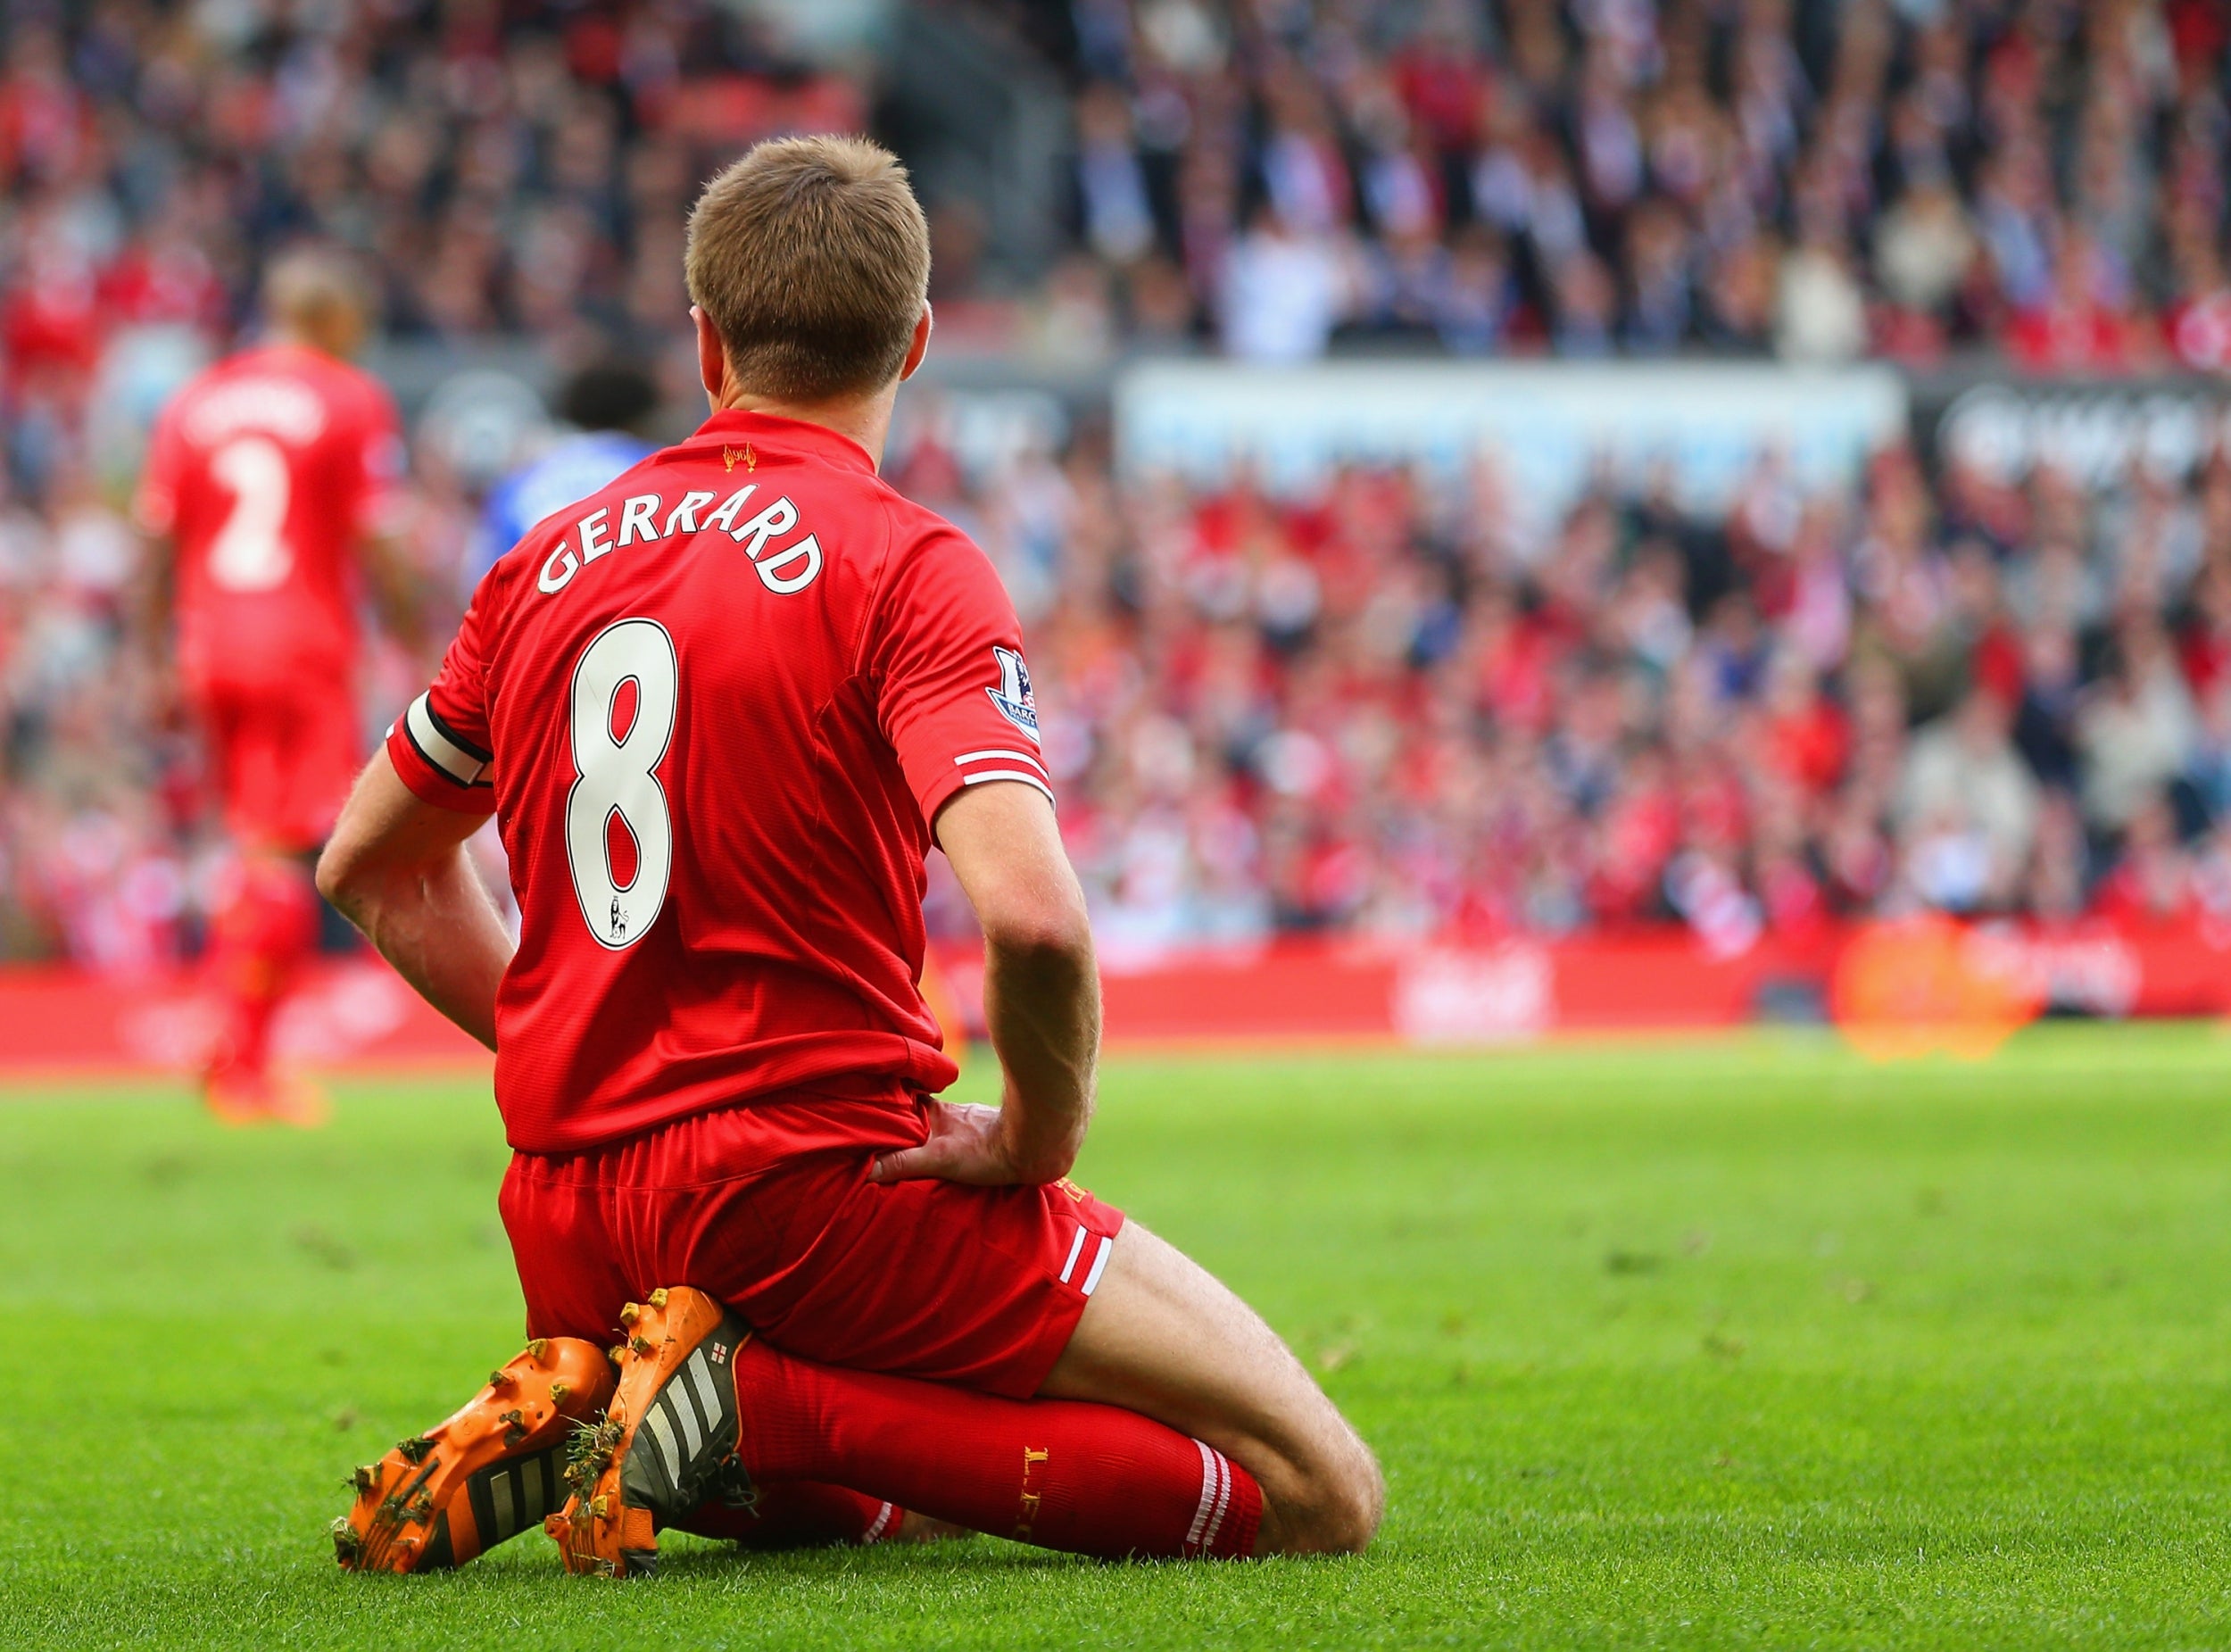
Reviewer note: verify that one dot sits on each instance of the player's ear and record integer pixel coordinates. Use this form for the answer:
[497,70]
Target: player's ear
[920,347]
[712,360]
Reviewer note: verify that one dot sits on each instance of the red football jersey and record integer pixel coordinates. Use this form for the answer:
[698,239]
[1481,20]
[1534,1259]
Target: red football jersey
[716,708]
[266,470]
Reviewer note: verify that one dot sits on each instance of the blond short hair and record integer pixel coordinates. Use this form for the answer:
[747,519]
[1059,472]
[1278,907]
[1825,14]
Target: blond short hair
[811,257]
[318,290]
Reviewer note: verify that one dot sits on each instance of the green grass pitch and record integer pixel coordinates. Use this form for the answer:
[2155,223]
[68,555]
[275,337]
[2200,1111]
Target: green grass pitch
[1735,1344]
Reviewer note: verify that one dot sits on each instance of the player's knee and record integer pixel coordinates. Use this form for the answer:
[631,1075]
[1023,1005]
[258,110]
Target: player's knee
[1335,1508]
[1358,1500]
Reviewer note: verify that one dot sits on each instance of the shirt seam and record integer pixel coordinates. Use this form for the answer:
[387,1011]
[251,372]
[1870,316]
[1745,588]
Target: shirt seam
[825,767]
[876,593]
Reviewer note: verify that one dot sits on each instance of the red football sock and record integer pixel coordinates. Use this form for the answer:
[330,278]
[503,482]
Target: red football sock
[1094,1480]
[798,1513]
[259,937]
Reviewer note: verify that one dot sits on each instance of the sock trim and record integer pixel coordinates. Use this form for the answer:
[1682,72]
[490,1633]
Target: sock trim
[883,1519]
[1223,1502]
[1209,1482]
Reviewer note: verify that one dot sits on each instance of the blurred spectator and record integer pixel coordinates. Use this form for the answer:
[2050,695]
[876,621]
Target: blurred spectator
[1924,251]
[2136,734]
[2153,880]
[1968,807]
[1283,289]
[1822,315]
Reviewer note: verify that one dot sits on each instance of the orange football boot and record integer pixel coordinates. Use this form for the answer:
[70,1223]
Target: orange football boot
[297,1099]
[242,1099]
[239,1100]
[485,1474]
[666,1445]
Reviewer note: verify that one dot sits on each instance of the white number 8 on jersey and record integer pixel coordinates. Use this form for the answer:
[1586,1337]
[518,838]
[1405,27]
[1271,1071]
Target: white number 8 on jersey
[616,778]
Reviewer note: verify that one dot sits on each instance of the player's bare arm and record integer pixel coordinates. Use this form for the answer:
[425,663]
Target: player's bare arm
[149,605]
[1041,996]
[396,868]
[154,589]
[398,590]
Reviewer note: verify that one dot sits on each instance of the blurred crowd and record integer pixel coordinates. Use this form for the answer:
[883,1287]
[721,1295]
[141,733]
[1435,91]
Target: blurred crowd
[1394,706]
[499,178]
[2044,179]
[1383,709]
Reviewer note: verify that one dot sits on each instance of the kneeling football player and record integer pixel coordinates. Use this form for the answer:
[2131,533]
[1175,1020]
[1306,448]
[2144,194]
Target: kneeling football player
[722,710]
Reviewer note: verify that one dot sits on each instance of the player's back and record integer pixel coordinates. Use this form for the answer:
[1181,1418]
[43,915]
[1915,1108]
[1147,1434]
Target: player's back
[266,471]
[720,700]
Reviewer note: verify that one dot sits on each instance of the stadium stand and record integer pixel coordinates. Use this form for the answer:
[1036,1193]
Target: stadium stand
[1380,705]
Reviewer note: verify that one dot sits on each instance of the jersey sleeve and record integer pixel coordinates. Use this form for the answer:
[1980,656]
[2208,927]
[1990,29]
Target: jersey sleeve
[440,745]
[953,692]
[156,501]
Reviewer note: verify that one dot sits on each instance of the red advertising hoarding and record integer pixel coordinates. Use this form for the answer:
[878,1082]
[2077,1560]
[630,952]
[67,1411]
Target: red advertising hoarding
[356,1013]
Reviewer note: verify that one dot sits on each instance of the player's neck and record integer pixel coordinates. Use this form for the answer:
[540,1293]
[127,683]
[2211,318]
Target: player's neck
[295,338]
[865,420]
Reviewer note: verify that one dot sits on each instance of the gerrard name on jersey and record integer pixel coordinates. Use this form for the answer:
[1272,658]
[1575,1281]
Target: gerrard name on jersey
[785,571]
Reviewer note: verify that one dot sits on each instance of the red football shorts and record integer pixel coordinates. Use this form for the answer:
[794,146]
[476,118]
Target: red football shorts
[285,756]
[769,1209]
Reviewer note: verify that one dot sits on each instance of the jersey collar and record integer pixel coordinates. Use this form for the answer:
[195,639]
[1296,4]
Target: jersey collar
[790,435]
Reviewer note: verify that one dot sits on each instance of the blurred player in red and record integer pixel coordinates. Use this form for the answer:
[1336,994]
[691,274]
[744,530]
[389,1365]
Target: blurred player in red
[269,500]
[722,708]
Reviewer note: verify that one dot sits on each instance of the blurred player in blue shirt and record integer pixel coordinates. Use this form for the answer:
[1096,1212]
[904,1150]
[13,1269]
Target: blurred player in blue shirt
[605,404]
